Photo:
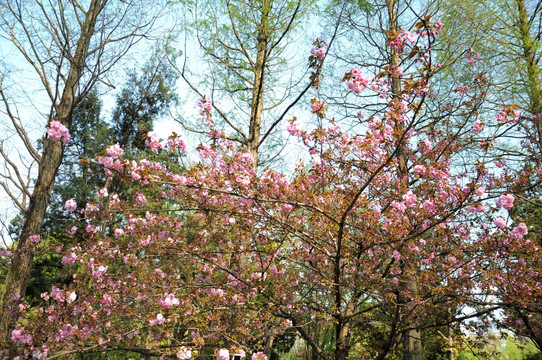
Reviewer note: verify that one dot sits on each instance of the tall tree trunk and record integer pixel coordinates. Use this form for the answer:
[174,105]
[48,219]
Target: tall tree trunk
[412,338]
[256,108]
[19,271]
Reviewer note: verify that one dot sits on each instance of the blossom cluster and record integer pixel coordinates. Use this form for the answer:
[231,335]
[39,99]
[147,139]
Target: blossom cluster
[399,41]
[57,131]
[206,106]
[320,49]
[358,82]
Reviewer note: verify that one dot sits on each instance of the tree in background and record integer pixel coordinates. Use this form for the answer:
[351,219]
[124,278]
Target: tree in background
[251,75]
[146,96]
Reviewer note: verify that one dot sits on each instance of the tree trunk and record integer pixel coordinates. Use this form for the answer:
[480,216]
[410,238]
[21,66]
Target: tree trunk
[19,271]
[412,341]
[256,108]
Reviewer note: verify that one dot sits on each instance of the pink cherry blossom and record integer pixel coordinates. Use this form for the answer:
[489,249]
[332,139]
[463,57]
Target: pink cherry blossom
[119,232]
[168,301]
[500,222]
[184,353]
[115,151]
[506,201]
[399,206]
[409,199]
[158,320]
[57,131]
[153,142]
[437,27]
[223,354]
[429,206]
[18,336]
[69,259]
[477,127]
[420,170]
[259,356]
[70,205]
[102,192]
[519,231]
[409,36]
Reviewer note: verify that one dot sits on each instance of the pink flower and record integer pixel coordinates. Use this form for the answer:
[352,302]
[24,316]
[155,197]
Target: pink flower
[5,253]
[409,199]
[177,143]
[420,170]
[429,206]
[316,106]
[169,301]
[321,53]
[410,36]
[119,232]
[438,27]
[184,353]
[396,255]
[70,205]
[158,321]
[115,151]
[102,192]
[519,231]
[97,273]
[69,259]
[506,201]
[398,206]
[141,199]
[18,336]
[57,131]
[223,354]
[34,239]
[153,143]
[477,127]
[292,129]
[500,222]
[259,356]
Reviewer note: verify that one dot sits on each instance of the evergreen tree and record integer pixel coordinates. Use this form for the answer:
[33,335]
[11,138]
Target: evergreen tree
[145,98]
[142,100]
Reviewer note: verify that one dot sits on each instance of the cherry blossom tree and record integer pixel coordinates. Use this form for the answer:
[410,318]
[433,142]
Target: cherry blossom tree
[381,230]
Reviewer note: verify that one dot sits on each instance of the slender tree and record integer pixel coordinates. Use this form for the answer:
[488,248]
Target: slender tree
[251,84]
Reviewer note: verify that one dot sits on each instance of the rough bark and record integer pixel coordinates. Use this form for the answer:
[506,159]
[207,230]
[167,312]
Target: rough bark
[19,271]
[412,338]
